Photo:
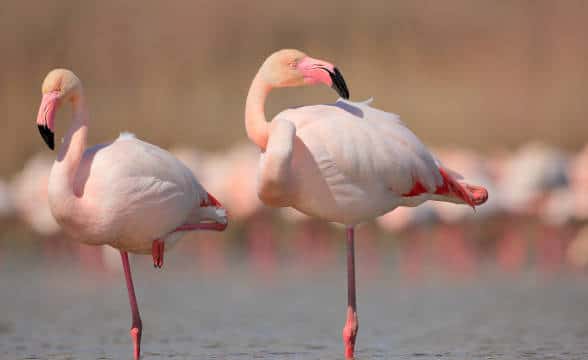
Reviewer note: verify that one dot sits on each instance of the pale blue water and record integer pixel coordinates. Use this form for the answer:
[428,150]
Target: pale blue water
[281,310]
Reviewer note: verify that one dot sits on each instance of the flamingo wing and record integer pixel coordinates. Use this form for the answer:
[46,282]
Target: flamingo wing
[374,144]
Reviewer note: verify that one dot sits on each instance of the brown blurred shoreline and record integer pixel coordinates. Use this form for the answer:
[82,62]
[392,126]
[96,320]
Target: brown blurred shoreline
[481,74]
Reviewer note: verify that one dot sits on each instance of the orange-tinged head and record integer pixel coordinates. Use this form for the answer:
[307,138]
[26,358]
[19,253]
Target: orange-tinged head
[59,85]
[289,67]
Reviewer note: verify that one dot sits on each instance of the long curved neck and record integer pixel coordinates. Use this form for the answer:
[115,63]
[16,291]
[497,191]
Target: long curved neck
[73,147]
[255,123]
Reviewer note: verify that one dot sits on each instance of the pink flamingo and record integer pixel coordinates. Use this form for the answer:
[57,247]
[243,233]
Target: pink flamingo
[577,251]
[240,180]
[579,184]
[231,175]
[568,204]
[30,195]
[345,162]
[530,175]
[407,218]
[192,158]
[7,210]
[128,194]
[6,201]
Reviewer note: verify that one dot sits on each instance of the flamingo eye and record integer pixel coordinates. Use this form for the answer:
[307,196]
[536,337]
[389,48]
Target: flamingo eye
[292,64]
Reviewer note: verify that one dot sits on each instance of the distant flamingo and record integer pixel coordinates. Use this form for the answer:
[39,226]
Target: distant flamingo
[310,239]
[345,162]
[579,184]
[577,251]
[406,218]
[530,176]
[30,195]
[7,210]
[128,194]
[568,204]
[192,158]
[229,174]
[6,201]
[417,225]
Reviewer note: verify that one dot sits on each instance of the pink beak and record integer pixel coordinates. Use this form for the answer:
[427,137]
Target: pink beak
[318,71]
[46,117]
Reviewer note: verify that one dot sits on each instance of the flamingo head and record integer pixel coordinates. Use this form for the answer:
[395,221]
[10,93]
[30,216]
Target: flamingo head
[289,68]
[59,85]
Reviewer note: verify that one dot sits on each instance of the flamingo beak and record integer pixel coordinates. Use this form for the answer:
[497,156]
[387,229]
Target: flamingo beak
[48,136]
[46,117]
[339,83]
[319,71]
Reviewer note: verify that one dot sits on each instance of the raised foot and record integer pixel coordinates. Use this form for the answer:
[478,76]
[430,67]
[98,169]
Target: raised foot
[136,336]
[157,249]
[349,334]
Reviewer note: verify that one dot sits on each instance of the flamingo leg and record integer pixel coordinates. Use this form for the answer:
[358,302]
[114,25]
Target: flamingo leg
[351,325]
[137,326]
[157,249]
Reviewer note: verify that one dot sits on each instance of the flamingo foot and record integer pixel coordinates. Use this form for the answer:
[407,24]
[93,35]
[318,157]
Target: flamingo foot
[157,249]
[136,336]
[350,333]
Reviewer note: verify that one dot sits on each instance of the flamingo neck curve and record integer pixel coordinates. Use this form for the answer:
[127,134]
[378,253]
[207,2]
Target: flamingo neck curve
[72,149]
[255,122]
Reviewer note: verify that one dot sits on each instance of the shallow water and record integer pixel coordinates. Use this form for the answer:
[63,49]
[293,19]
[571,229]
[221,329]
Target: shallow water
[287,307]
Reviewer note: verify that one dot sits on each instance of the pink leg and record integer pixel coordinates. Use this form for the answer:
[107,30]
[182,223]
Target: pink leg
[157,249]
[137,326]
[351,325]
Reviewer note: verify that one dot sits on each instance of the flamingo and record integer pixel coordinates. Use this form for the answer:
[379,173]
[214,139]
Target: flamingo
[569,203]
[530,176]
[345,162]
[193,159]
[579,184]
[128,194]
[6,201]
[30,195]
[577,251]
[238,182]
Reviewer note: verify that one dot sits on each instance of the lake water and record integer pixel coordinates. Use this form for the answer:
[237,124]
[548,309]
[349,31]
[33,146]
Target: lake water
[239,300]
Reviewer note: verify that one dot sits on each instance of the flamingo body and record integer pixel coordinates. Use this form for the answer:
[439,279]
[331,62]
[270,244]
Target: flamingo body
[349,162]
[142,193]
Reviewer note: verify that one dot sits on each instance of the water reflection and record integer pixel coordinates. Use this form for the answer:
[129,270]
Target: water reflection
[273,289]
[266,247]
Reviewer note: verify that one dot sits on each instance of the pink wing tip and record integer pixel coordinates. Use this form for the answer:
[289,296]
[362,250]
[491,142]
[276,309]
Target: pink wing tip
[478,194]
[214,201]
[211,201]
[471,194]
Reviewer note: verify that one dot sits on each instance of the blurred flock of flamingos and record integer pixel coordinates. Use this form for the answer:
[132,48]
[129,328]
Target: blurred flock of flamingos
[536,216]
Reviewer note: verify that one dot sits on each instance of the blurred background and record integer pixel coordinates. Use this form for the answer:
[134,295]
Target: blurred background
[496,89]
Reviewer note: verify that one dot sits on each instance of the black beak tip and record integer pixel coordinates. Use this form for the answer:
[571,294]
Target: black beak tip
[344,93]
[339,83]
[47,136]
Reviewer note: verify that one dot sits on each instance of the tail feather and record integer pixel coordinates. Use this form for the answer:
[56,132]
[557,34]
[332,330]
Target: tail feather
[213,210]
[213,201]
